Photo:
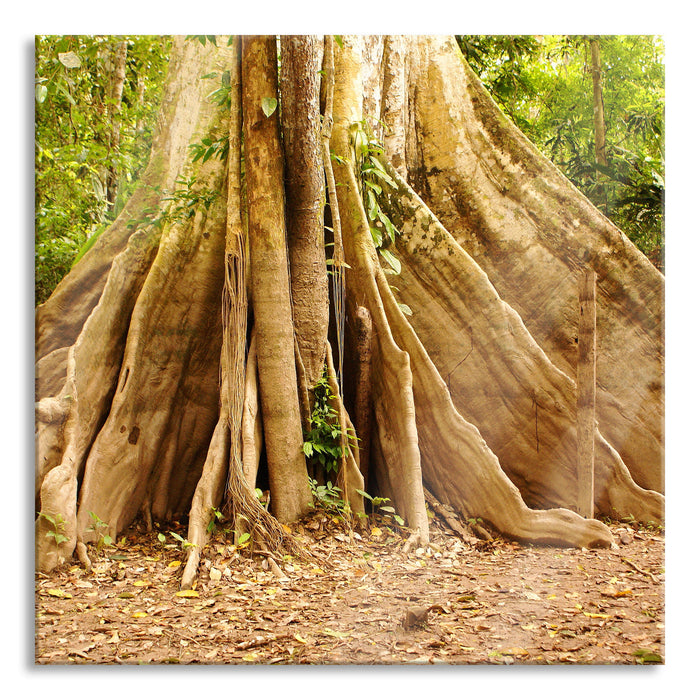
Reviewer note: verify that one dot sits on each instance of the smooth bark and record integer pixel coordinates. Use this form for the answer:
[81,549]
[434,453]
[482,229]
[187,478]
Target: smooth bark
[272,305]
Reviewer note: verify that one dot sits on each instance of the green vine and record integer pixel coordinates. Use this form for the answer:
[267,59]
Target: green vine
[322,443]
[372,176]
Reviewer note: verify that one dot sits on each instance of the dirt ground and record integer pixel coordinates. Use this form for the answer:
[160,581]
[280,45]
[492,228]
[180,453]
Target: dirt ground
[367,599]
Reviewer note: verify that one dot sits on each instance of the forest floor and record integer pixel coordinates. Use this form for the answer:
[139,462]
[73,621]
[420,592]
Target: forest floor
[367,599]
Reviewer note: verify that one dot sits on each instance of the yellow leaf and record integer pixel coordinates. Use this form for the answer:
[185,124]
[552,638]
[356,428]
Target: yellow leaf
[141,584]
[286,528]
[187,594]
[516,651]
[598,616]
[140,614]
[335,633]
[173,564]
[299,638]
[376,532]
[58,594]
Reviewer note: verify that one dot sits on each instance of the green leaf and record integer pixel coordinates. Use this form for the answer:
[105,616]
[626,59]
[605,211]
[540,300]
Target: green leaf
[40,93]
[388,226]
[66,94]
[269,105]
[377,237]
[405,309]
[393,261]
[338,40]
[646,656]
[373,208]
[244,538]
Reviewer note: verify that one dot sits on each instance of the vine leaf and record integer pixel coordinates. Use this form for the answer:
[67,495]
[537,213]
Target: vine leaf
[269,105]
[392,260]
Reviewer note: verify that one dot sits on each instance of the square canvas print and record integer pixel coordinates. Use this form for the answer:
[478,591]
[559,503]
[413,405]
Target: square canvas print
[349,350]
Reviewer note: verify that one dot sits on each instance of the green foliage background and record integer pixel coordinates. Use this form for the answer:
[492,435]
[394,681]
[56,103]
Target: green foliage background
[72,143]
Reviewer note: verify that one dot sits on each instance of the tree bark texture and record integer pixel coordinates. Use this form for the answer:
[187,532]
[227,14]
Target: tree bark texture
[272,304]
[153,390]
[305,197]
[585,394]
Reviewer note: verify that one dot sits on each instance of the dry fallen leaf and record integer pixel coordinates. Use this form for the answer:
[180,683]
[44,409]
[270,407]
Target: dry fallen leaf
[187,594]
[58,594]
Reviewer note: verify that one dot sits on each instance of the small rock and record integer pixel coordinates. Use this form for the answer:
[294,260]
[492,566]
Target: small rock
[415,617]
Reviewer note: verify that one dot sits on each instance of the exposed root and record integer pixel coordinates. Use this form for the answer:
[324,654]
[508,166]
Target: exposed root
[349,475]
[459,467]
[82,554]
[251,422]
[449,519]
[501,352]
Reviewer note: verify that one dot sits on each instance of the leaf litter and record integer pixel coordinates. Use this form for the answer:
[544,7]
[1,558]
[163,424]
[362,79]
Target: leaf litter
[365,598]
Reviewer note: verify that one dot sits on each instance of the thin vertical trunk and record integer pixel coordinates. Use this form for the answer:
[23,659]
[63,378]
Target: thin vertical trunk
[289,487]
[115,89]
[598,110]
[598,121]
[305,198]
[585,386]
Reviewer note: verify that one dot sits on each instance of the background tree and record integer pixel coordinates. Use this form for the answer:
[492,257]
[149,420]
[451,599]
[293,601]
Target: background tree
[462,244]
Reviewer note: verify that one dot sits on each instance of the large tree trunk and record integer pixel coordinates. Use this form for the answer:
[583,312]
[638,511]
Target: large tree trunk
[149,398]
[305,198]
[272,304]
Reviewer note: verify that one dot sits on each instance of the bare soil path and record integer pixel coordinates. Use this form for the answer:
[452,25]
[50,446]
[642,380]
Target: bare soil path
[365,601]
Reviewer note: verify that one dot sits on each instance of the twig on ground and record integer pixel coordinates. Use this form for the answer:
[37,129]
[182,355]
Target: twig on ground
[641,571]
[261,641]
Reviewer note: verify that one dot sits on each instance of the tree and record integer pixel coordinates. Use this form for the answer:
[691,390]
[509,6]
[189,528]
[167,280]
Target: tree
[457,250]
